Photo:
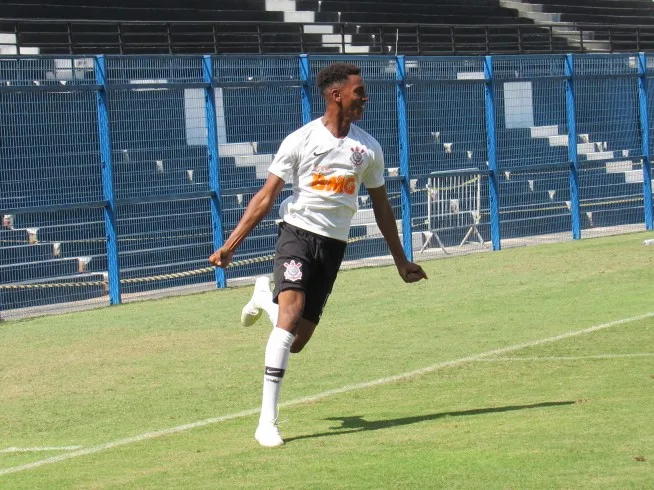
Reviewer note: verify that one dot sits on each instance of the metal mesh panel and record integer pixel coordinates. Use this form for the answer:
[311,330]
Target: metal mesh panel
[154,69]
[444,68]
[151,126]
[609,202]
[150,150]
[49,151]
[603,64]
[629,173]
[47,260]
[607,108]
[508,67]
[445,98]
[608,122]
[163,238]
[530,114]
[43,71]
[256,69]
[534,206]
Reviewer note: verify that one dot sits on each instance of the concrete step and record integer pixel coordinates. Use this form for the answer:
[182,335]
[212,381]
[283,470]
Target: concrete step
[351,49]
[300,17]
[281,5]
[635,177]
[562,140]
[544,131]
[622,166]
[318,29]
[260,162]
[236,149]
[601,155]
[586,148]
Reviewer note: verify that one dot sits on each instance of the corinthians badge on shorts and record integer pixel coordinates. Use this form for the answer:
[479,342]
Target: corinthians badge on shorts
[293,271]
[357,156]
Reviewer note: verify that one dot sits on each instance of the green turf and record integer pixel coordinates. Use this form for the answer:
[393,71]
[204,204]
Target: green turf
[523,419]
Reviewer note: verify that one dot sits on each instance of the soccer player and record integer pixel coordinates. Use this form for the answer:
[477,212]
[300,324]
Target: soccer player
[326,160]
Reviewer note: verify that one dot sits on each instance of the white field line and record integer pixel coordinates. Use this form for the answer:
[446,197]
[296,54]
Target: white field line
[567,358]
[38,449]
[308,399]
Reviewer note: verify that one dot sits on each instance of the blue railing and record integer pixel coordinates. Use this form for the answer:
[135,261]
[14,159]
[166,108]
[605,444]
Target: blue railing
[120,174]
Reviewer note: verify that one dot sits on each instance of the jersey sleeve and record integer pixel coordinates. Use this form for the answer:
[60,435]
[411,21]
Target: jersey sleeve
[374,174]
[286,159]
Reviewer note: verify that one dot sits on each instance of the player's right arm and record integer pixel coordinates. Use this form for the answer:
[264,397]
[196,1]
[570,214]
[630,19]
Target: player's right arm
[259,207]
[281,170]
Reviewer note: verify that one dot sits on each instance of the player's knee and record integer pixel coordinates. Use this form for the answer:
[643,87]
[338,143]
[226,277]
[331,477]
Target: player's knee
[290,318]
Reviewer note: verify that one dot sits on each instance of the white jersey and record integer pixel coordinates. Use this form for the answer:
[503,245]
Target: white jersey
[326,173]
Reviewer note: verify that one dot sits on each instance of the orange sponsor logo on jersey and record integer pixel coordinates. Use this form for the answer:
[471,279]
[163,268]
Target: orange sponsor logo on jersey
[340,184]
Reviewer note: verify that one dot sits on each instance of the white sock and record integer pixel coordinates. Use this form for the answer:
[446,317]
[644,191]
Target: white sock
[278,351]
[265,302]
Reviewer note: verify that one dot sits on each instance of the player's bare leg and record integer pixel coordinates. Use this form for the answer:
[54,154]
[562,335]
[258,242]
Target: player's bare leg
[303,334]
[278,350]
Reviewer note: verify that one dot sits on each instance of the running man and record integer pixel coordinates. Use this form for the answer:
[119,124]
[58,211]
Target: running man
[326,160]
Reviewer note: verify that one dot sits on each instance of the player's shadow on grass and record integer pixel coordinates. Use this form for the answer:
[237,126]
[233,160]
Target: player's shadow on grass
[358,424]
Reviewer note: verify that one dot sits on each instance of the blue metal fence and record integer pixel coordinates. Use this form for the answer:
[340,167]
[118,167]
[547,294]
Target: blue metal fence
[120,174]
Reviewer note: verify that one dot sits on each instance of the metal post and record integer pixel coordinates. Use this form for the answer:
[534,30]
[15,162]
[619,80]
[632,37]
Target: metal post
[305,76]
[214,164]
[491,142]
[405,171]
[644,131]
[104,137]
[570,102]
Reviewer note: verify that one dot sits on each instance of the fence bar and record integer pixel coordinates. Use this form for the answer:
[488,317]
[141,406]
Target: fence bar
[104,138]
[214,164]
[491,142]
[305,76]
[571,117]
[644,131]
[405,172]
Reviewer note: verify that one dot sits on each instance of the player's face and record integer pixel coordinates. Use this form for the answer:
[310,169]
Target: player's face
[353,98]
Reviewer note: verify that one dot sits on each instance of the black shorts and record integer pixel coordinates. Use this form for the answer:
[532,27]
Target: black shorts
[307,262]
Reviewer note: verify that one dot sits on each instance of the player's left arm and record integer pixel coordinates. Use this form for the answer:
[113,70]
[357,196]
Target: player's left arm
[385,219]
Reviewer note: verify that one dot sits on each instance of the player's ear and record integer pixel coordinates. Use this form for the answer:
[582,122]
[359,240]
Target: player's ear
[335,94]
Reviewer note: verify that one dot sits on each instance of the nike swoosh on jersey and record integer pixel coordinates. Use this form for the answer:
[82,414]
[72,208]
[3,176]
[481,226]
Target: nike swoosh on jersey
[321,153]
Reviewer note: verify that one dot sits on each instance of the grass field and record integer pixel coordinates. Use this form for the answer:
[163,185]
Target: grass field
[526,368]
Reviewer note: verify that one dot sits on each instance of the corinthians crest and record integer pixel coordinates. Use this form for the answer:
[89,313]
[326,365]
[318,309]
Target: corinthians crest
[357,155]
[293,271]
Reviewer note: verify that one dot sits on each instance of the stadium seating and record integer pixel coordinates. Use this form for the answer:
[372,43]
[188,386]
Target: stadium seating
[608,25]
[282,26]
[326,26]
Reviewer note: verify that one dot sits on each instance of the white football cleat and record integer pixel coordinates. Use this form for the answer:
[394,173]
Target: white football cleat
[251,312]
[268,435]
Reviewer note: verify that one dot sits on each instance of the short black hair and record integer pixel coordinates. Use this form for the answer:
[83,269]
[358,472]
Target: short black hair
[335,73]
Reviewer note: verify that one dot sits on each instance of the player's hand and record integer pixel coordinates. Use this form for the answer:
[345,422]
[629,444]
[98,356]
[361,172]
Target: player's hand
[221,258]
[411,272]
